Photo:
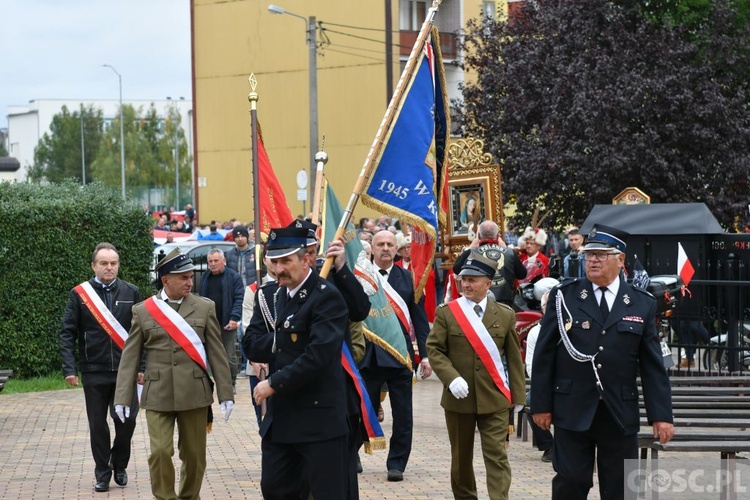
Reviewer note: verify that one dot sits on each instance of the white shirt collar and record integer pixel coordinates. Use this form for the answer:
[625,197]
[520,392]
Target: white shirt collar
[294,291]
[482,303]
[165,297]
[613,288]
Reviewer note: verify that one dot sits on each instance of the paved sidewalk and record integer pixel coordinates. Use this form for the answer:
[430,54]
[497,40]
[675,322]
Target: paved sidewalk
[44,452]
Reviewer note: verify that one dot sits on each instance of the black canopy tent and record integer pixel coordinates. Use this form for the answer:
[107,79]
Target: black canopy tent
[655,231]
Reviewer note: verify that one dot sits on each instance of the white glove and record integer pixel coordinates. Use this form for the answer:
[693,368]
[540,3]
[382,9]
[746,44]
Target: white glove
[122,412]
[518,409]
[226,409]
[459,388]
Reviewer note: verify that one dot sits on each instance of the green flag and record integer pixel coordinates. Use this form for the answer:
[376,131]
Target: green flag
[382,327]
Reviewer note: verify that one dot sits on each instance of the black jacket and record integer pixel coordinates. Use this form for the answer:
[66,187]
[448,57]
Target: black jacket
[305,370]
[504,282]
[626,346]
[375,356]
[232,293]
[97,352]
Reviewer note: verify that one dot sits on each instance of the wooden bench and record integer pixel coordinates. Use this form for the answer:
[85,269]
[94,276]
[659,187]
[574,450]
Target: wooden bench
[727,449]
[4,376]
[695,402]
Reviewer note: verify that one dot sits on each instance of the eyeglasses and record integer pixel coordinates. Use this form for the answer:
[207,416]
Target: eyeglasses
[599,256]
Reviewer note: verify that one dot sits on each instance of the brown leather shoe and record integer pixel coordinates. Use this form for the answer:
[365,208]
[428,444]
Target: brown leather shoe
[685,363]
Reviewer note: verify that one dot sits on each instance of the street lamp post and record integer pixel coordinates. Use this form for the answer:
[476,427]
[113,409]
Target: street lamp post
[122,132]
[312,34]
[83,152]
[176,155]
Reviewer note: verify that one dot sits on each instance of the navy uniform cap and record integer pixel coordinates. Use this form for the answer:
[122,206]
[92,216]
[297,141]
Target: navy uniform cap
[604,237]
[174,262]
[477,264]
[312,229]
[285,241]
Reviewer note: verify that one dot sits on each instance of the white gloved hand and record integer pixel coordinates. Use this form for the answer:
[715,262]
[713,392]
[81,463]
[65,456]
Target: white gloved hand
[226,409]
[122,412]
[459,388]
[518,409]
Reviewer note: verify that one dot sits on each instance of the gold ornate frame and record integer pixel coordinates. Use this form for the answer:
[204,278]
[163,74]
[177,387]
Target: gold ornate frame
[471,173]
[631,196]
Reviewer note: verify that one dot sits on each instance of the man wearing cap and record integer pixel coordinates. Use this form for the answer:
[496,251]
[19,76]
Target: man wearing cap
[181,336]
[97,318]
[474,351]
[241,258]
[597,336]
[358,307]
[298,329]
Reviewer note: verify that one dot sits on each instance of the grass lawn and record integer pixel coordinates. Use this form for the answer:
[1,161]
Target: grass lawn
[38,384]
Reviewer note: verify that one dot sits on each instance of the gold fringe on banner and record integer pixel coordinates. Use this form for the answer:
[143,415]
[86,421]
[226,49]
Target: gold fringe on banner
[373,444]
[375,339]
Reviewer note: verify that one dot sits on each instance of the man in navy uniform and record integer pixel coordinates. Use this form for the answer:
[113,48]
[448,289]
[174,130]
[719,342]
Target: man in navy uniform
[299,330]
[585,370]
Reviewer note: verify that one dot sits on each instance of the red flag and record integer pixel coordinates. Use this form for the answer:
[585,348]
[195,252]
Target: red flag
[274,211]
[684,267]
[422,253]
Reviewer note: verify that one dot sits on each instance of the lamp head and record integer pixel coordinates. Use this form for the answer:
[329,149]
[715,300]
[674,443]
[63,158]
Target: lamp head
[275,9]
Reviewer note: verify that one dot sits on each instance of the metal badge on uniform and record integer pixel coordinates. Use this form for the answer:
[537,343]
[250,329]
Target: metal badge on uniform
[286,322]
[584,294]
[626,299]
[585,325]
[322,286]
[303,293]
[294,337]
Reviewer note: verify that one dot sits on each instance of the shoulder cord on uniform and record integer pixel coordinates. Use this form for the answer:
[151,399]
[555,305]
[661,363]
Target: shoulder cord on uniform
[572,351]
[268,318]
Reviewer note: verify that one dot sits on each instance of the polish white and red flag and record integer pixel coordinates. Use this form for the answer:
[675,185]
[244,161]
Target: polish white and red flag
[684,268]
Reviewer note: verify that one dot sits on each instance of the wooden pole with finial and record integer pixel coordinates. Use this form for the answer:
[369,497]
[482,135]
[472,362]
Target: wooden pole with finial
[253,98]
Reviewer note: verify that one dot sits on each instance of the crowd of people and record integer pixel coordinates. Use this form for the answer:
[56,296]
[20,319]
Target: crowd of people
[297,329]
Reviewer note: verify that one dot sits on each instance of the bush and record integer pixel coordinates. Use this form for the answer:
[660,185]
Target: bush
[48,234]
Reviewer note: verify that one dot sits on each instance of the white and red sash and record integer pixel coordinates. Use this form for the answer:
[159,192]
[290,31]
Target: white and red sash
[399,307]
[179,329]
[103,316]
[481,341]
[253,286]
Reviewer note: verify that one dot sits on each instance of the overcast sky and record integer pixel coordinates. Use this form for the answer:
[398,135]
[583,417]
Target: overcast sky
[54,49]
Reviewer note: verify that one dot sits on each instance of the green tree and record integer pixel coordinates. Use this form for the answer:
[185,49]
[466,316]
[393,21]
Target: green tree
[149,152]
[581,98]
[3,151]
[58,155]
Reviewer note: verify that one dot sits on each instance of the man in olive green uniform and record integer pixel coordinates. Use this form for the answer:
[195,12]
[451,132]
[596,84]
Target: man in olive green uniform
[181,335]
[474,350]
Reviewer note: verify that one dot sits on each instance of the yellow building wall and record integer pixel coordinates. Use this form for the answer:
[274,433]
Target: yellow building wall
[233,39]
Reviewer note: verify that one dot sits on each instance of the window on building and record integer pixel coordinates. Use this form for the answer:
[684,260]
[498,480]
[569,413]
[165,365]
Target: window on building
[488,10]
[413,13]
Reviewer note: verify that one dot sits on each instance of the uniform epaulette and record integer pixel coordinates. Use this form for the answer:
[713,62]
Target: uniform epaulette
[567,281]
[505,306]
[643,291]
[202,297]
[443,304]
[323,286]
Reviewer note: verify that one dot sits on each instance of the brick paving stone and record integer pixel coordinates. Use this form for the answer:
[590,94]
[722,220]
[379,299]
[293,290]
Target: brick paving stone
[45,454]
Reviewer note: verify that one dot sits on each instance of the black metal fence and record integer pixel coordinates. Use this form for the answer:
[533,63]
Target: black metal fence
[711,324]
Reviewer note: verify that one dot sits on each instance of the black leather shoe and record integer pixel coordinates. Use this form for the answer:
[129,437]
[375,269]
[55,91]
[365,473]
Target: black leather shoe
[547,456]
[121,477]
[359,465]
[101,486]
[395,475]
